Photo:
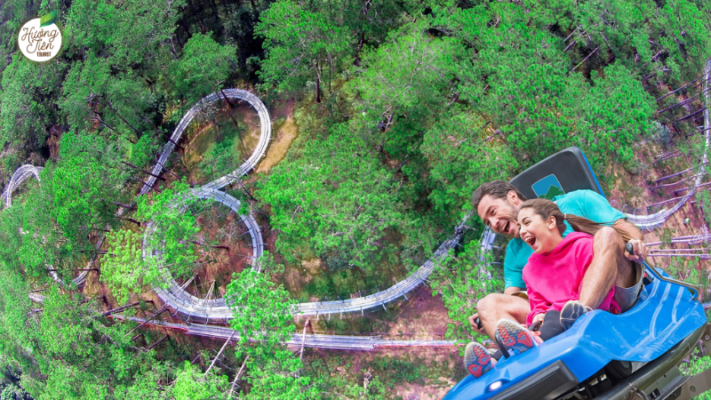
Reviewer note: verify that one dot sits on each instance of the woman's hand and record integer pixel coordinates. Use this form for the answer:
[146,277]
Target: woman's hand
[539,318]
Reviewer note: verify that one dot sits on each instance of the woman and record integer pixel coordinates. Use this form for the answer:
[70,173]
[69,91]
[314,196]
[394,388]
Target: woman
[553,276]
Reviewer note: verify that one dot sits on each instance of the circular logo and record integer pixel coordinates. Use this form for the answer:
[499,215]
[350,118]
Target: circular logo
[39,43]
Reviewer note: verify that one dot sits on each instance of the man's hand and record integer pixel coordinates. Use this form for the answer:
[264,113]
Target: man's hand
[472,322]
[639,253]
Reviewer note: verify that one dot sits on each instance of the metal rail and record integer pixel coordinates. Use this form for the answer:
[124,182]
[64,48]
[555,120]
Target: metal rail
[20,175]
[217,310]
[335,342]
[657,219]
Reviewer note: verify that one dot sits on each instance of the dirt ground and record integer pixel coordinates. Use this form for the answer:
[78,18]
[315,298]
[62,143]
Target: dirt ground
[284,131]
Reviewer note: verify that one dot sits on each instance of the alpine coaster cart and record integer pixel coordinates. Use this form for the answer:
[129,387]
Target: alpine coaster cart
[631,356]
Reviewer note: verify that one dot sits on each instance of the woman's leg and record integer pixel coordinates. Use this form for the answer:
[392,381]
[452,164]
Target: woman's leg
[551,325]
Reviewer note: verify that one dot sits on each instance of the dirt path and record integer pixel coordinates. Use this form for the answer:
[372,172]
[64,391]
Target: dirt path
[286,131]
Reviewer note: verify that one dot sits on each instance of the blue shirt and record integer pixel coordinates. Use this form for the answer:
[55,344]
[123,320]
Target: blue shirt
[583,203]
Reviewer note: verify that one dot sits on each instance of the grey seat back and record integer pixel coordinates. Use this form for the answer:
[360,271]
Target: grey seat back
[563,172]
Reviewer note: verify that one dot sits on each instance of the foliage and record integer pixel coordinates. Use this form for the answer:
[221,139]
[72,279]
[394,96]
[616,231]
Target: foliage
[26,105]
[262,315]
[191,385]
[86,184]
[309,48]
[462,280]
[224,156]
[172,228]
[462,152]
[202,69]
[323,202]
[124,270]
[261,310]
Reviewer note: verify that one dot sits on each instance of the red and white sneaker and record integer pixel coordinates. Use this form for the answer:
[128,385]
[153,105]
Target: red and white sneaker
[477,360]
[515,338]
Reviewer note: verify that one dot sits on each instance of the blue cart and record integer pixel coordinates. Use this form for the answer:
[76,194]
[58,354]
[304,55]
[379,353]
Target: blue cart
[634,355]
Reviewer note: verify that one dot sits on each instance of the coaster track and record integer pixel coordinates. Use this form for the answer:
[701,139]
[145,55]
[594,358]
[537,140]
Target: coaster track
[207,311]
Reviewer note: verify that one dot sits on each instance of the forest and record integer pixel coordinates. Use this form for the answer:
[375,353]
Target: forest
[384,116]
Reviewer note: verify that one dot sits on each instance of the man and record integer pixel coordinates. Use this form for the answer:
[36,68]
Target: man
[497,204]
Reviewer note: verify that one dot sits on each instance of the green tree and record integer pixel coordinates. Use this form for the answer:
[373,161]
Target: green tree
[171,229]
[87,186]
[202,68]
[309,48]
[262,318]
[461,281]
[123,269]
[27,108]
[337,199]
[190,384]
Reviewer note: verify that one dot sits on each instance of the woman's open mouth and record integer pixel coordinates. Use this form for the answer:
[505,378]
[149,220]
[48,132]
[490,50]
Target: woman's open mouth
[530,240]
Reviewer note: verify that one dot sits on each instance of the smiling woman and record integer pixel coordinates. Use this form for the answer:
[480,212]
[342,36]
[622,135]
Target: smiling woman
[554,274]
[543,235]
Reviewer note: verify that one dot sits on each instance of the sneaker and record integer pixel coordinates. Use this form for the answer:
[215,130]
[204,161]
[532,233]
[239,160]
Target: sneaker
[477,360]
[515,338]
[572,310]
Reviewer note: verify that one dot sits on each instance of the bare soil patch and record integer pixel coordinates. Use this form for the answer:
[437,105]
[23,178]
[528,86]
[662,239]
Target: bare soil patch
[285,131]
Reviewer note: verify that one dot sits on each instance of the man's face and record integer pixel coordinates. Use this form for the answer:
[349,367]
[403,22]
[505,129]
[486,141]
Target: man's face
[499,214]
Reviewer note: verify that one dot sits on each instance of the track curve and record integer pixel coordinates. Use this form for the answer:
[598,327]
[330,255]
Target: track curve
[234,94]
[189,306]
[657,219]
[20,175]
[217,311]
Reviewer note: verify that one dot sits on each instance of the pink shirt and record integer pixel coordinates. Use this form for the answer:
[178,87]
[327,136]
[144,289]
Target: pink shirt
[556,277]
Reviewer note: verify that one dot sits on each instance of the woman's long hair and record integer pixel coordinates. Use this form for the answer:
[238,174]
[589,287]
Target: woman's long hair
[546,208]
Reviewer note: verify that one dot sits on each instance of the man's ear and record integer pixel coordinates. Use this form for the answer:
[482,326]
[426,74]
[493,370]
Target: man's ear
[513,198]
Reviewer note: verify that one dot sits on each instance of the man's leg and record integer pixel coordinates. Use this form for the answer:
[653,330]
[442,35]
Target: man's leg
[609,267]
[496,306]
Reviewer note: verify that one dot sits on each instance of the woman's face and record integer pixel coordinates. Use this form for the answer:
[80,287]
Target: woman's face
[542,235]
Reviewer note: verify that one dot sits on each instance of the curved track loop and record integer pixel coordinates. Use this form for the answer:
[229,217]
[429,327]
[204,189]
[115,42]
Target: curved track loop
[20,175]
[184,303]
[217,311]
[264,137]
